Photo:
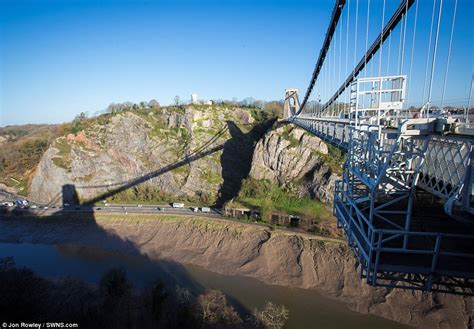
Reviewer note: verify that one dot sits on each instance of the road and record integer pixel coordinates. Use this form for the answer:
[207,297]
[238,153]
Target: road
[165,209]
[122,208]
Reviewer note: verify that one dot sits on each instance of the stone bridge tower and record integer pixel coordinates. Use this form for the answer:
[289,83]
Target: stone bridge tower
[292,103]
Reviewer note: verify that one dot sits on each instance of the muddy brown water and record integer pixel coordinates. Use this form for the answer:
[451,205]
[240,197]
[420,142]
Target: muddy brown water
[308,308]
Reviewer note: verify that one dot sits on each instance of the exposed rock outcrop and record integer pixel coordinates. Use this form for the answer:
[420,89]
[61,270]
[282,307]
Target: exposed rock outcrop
[177,151]
[287,154]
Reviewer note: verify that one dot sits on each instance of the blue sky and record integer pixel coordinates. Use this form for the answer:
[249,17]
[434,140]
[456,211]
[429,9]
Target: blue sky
[58,58]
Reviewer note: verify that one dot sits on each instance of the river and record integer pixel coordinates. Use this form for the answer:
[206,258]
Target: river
[308,309]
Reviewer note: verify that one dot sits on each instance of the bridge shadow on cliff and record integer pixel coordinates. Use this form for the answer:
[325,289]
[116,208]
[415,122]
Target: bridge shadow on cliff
[236,160]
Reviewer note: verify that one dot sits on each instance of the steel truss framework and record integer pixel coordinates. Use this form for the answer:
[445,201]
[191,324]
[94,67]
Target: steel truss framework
[373,204]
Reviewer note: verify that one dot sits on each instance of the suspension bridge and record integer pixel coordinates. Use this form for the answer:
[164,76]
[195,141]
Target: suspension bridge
[382,98]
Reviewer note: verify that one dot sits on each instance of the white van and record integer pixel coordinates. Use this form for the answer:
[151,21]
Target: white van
[178,205]
[205,209]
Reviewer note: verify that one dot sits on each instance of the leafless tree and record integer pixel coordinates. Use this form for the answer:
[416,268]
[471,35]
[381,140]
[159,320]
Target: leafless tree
[272,316]
[216,312]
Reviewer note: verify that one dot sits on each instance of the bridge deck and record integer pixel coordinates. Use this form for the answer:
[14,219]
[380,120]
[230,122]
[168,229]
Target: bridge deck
[446,158]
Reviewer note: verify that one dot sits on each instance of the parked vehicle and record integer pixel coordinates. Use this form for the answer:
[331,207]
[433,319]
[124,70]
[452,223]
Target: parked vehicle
[21,203]
[205,209]
[177,205]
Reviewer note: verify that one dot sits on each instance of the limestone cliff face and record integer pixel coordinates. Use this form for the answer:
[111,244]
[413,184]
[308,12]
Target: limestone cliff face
[176,151]
[287,155]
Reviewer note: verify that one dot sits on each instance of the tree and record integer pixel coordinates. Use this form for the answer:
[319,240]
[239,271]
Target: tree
[80,117]
[216,312]
[177,100]
[78,123]
[272,316]
[114,284]
[154,104]
[266,209]
[248,102]
[158,297]
[260,104]
[275,107]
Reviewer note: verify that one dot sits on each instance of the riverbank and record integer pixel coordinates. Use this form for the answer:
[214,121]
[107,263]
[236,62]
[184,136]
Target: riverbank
[271,256]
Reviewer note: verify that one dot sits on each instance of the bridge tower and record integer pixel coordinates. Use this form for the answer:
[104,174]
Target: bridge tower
[292,103]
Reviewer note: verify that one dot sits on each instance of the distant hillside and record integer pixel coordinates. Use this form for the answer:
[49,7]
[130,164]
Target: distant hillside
[21,148]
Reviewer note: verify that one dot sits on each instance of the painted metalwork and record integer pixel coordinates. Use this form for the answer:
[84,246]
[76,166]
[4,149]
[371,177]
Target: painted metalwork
[394,154]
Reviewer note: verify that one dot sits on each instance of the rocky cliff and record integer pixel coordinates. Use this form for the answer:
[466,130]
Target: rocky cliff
[197,152]
[274,257]
[289,155]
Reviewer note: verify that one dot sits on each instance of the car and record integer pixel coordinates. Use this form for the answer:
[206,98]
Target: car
[205,209]
[194,209]
[21,203]
[139,206]
[177,205]
[45,207]
[99,208]
[53,207]
[66,205]
[34,206]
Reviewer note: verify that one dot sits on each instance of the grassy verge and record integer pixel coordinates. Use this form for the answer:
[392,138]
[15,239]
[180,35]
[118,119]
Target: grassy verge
[270,198]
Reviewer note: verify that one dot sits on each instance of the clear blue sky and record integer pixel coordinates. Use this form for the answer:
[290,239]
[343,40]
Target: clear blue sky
[58,58]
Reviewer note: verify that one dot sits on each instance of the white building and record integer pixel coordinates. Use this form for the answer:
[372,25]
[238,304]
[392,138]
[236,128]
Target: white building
[195,101]
[194,98]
